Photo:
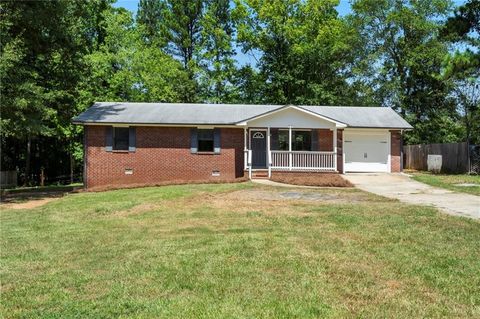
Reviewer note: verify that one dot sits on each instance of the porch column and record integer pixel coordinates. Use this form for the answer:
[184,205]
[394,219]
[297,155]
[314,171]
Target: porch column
[245,138]
[269,155]
[335,148]
[290,148]
[245,149]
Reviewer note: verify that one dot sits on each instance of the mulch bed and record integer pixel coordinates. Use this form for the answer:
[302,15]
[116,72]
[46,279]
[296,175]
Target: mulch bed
[312,179]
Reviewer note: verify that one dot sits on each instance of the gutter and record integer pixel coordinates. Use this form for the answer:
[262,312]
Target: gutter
[383,128]
[153,124]
[216,124]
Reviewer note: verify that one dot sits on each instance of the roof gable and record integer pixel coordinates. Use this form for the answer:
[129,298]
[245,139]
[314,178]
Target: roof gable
[294,116]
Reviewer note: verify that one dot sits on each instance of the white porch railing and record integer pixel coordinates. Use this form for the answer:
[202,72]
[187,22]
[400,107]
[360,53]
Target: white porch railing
[300,160]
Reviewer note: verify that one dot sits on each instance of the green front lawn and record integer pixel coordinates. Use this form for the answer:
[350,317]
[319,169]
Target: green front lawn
[448,181]
[237,251]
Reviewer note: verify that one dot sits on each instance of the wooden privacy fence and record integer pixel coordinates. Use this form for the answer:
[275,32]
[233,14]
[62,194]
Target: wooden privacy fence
[454,156]
[8,179]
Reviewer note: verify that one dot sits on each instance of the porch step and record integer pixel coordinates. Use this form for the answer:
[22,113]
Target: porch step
[260,174]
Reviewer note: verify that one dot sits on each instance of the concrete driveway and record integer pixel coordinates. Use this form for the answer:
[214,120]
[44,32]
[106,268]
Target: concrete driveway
[402,187]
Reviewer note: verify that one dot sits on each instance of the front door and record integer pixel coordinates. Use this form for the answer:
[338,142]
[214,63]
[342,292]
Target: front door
[258,143]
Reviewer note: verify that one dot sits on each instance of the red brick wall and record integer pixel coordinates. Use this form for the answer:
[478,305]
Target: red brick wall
[325,140]
[395,151]
[162,155]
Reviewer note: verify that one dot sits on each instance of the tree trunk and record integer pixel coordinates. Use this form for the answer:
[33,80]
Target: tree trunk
[27,161]
[71,166]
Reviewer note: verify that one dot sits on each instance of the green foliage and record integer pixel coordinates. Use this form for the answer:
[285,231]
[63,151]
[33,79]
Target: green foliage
[249,84]
[216,58]
[465,24]
[462,72]
[180,25]
[305,50]
[462,68]
[175,27]
[148,18]
[127,69]
[41,66]
[404,57]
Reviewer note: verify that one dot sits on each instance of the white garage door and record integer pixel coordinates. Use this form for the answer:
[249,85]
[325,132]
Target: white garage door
[367,151]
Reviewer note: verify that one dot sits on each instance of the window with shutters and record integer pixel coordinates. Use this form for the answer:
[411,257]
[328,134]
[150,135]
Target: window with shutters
[120,138]
[205,140]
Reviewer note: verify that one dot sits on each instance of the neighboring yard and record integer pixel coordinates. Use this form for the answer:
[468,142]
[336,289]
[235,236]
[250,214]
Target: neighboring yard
[237,250]
[449,181]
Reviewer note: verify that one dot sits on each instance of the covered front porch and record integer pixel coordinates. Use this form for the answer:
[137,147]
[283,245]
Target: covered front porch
[290,149]
[292,139]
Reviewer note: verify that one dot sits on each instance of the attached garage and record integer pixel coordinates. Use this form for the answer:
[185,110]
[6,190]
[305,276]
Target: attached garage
[367,150]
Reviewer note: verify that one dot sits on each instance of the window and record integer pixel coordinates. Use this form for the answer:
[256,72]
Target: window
[258,135]
[120,138]
[283,140]
[301,140]
[205,140]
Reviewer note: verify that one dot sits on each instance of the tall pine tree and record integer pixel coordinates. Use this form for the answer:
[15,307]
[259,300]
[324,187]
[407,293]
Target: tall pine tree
[217,52]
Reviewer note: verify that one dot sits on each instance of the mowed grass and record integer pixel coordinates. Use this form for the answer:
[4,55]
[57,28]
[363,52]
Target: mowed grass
[237,251]
[449,181]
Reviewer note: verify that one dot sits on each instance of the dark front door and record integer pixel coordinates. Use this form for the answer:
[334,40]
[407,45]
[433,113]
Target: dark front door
[258,142]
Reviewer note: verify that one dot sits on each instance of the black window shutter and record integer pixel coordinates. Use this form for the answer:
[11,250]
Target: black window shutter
[132,139]
[216,141]
[108,138]
[315,146]
[193,140]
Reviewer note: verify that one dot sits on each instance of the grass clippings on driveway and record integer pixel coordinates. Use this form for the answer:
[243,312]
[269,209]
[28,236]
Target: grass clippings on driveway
[449,181]
[217,251]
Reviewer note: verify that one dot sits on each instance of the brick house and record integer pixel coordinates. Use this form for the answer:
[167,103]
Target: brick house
[152,143]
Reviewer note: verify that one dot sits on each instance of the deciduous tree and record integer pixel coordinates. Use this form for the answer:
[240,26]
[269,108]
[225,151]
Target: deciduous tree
[403,56]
